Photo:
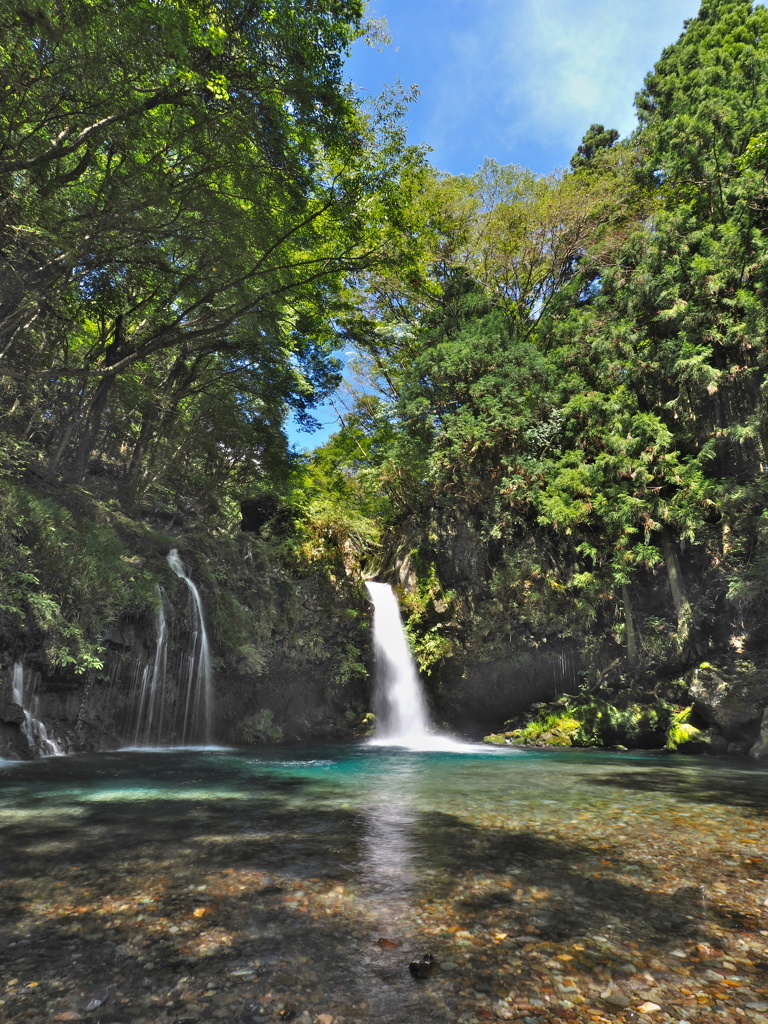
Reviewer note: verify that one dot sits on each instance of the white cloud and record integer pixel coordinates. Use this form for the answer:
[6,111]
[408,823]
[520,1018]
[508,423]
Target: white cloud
[541,71]
[561,45]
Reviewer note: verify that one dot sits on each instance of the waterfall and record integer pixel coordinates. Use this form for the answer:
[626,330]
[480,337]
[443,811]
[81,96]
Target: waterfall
[198,701]
[33,728]
[149,718]
[399,702]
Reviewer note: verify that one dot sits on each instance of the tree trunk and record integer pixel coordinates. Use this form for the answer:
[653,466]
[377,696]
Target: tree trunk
[677,586]
[629,625]
[91,428]
[148,422]
[99,403]
[53,464]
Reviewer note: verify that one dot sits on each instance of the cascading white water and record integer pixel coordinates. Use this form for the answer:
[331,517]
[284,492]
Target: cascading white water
[33,728]
[402,718]
[149,722]
[198,703]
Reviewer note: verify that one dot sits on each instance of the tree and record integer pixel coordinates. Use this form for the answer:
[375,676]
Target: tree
[595,142]
[192,179]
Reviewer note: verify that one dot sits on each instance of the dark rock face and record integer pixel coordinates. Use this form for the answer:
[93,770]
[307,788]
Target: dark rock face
[13,743]
[309,667]
[461,556]
[732,699]
[289,658]
[498,674]
[483,694]
[760,747]
[11,714]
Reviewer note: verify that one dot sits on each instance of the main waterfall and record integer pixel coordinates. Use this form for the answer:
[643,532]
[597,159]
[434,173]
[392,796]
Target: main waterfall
[402,718]
[399,702]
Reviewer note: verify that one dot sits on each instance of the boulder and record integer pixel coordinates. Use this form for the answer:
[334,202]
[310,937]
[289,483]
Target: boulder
[731,698]
[11,714]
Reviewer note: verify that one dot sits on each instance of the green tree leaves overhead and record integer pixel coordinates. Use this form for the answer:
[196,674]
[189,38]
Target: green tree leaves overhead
[184,187]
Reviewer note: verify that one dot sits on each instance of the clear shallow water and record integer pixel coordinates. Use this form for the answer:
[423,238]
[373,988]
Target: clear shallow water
[266,885]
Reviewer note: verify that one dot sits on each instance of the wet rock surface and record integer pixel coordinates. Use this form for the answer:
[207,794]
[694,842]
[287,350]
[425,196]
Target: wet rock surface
[643,897]
[732,698]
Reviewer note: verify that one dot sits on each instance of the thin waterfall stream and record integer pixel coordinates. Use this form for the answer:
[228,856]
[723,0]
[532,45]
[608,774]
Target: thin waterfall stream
[34,730]
[149,716]
[197,722]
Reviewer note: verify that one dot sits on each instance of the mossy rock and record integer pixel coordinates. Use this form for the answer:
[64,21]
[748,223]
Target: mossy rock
[497,738]
[682,735]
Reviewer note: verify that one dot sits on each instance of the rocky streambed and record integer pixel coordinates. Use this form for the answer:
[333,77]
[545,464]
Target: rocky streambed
[547,887]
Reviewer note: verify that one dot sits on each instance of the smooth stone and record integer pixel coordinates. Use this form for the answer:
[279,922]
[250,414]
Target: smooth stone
[616,999]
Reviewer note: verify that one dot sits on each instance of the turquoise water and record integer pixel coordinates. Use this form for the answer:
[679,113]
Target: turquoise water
[289,882]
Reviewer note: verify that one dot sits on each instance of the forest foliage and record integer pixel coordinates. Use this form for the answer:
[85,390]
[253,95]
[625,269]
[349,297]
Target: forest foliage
[197,213]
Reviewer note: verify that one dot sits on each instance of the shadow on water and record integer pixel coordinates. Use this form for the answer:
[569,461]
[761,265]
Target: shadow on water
[748,789]
[256,842]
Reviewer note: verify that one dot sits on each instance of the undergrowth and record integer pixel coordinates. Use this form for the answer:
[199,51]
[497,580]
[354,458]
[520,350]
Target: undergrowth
[592,721]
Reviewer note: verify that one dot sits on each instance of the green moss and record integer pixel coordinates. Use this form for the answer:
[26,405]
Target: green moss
[557,730]
[498,739]
[590,721]
[682,733]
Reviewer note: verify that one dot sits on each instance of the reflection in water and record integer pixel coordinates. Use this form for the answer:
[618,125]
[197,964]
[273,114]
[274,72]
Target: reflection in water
[387,864]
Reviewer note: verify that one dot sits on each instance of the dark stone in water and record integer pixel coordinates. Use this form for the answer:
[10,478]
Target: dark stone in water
[691,893]
[422,968]
[254,1011]
[672,923]
[489,901]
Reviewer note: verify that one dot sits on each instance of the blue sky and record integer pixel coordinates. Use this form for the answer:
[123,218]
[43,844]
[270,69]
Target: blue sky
[517,80]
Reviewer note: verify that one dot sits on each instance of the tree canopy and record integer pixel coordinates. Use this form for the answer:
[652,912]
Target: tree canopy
[185,188]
